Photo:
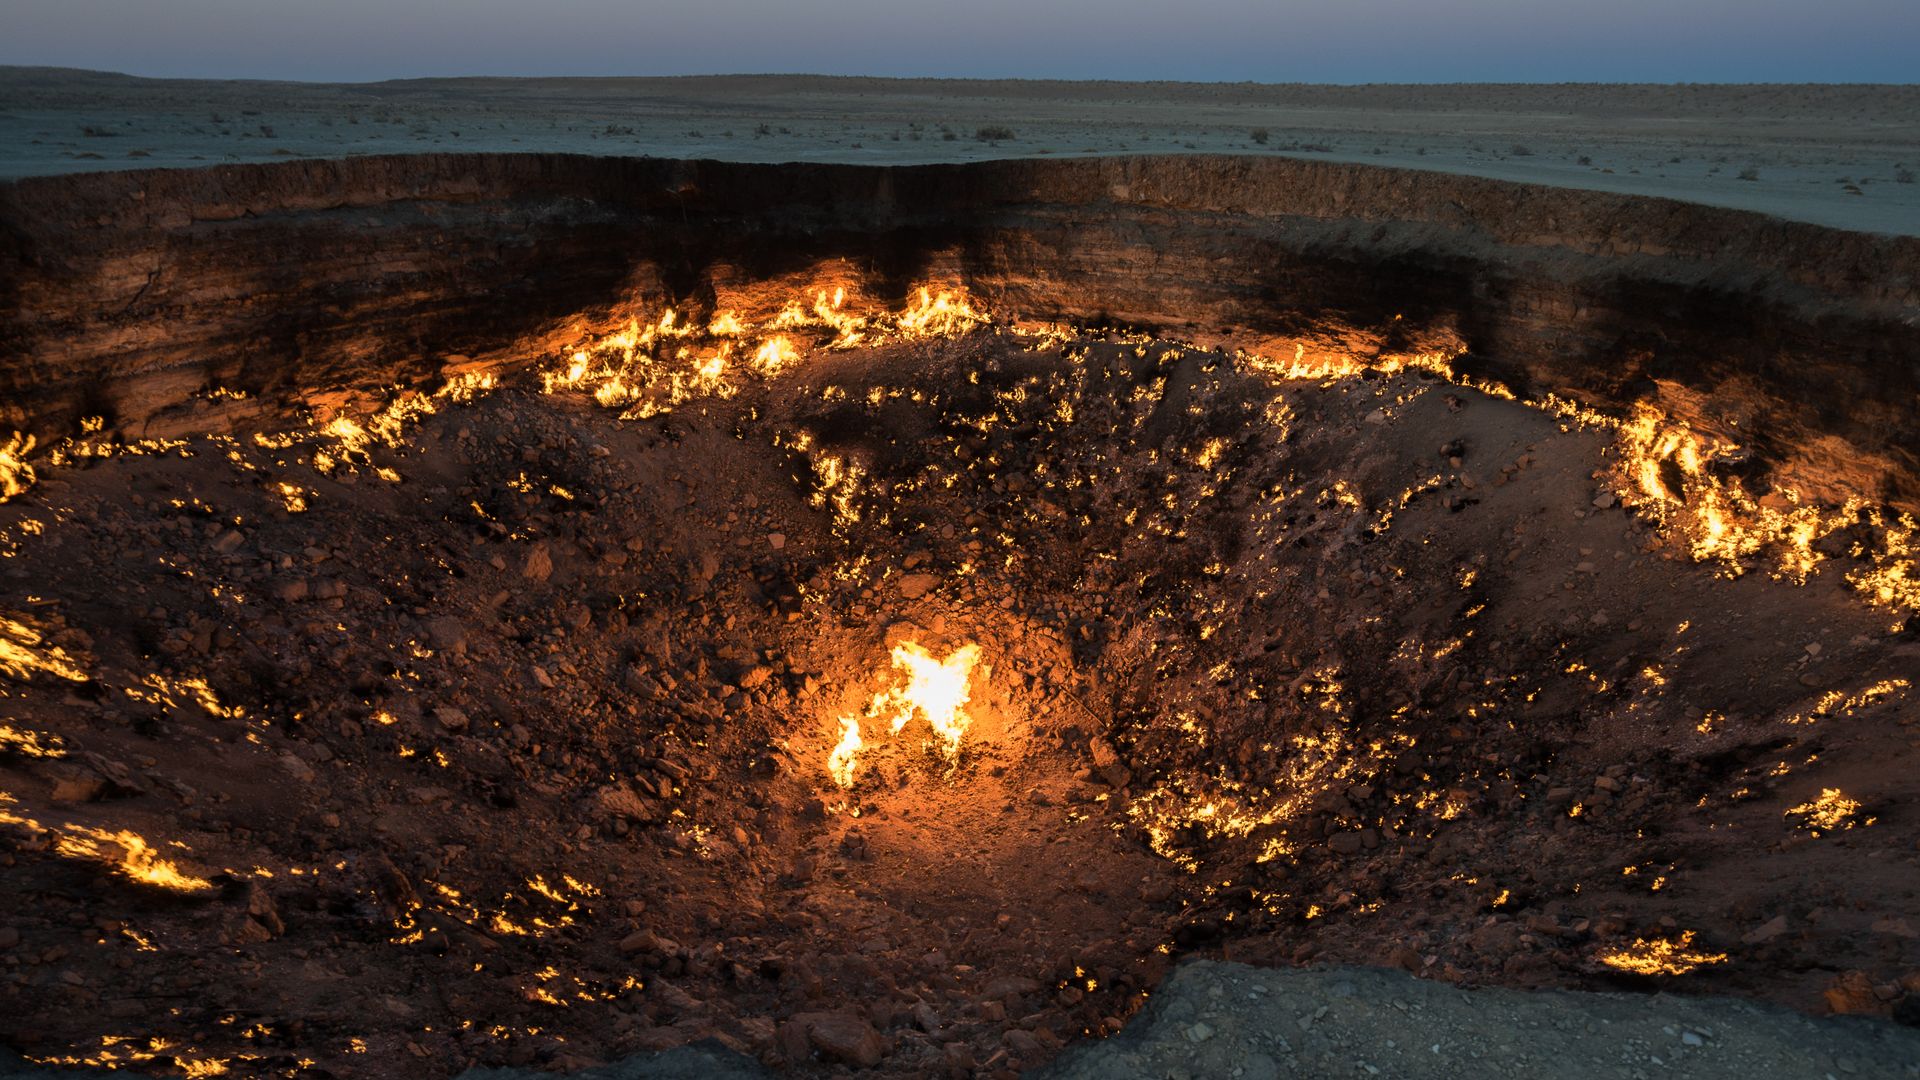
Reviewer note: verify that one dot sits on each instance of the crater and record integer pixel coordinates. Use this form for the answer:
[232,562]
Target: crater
[869,631]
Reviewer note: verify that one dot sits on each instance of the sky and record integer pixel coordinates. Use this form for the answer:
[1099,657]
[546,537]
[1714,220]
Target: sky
[1342,41]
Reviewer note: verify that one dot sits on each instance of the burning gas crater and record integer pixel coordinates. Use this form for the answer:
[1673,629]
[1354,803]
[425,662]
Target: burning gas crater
[883,685]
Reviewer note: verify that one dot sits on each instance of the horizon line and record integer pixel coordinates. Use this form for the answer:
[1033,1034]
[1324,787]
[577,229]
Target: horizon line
[941,78]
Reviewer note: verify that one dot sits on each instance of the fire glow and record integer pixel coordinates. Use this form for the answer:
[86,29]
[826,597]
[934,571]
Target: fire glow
[934,688]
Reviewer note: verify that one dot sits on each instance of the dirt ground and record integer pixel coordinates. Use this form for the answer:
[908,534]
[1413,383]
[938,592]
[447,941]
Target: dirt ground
[494,729]
[1844,156]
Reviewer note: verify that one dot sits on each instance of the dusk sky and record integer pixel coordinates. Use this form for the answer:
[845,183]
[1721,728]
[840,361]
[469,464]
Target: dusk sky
[1209,40]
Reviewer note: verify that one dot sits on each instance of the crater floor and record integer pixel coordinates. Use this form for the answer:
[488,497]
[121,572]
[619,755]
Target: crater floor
[495,729]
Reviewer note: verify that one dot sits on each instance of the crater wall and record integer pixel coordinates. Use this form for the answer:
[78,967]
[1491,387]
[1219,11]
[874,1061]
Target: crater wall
[132,295]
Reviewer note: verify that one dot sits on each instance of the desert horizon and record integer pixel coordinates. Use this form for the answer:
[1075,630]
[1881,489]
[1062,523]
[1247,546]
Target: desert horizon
[1842,155]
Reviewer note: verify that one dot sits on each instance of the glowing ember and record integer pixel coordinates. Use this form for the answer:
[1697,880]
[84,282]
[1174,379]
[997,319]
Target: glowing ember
[935,689]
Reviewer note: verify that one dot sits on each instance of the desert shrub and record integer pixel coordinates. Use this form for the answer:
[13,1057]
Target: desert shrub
[994,133]
[1903,176]
[1260,135]
[1749,173]
[1521,151]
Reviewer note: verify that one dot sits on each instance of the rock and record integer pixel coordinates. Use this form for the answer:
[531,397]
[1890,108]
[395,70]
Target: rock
[1894,925]
[648,942]
[1345,843]
[914,586]
[621,800]
[777,541]
[247,932]
[1603,500]
[78,789]
[1104,755]
[1007,985]
[447,634]
[845,1038]
[228,541]
[451,718]
[539,564]
[290,591]
[756,677]
[1851,994]
[1766,931]
[9,937]
[791,1040]
[261,909]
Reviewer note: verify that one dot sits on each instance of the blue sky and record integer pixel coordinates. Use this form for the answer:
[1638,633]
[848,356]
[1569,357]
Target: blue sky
[1205,40]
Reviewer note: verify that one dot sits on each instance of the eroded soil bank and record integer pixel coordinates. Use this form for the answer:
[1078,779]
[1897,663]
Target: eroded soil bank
[142,296]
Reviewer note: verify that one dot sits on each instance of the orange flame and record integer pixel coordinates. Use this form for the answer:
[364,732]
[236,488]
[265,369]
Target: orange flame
[936,689]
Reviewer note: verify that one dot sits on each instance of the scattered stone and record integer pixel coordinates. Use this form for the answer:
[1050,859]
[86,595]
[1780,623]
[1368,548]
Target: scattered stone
[539,564]
[844,1038]
[914,586]
[447,634]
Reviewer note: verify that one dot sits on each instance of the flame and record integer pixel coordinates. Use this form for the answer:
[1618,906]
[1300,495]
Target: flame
[16,476]
[30,743]
[136,859]
[840,761]
[774,354]
[936,689]
[23,651]
[939,314]
[1657,956]
[1833,811]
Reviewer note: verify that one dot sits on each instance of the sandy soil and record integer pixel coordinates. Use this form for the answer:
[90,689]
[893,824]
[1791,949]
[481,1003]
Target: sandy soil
[501,736]
[1844,156]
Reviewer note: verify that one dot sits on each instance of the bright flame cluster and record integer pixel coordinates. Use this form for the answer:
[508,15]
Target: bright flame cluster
[1659,956]
[1833,811]
[16,476]
[1722,523]
[650,366]
[24,652]
[934,688]
[125,850]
